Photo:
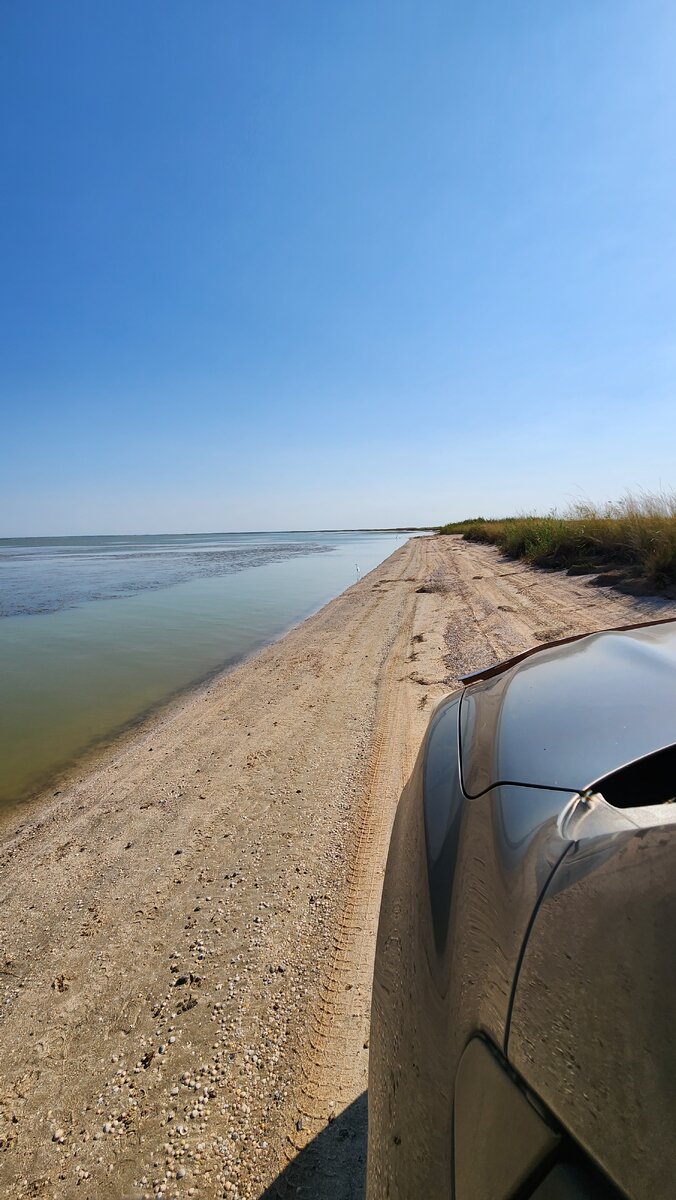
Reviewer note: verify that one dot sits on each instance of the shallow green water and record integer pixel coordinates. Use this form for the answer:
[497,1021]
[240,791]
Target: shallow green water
[100,630]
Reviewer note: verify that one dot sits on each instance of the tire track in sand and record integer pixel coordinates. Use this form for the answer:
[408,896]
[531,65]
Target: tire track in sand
[334,1068]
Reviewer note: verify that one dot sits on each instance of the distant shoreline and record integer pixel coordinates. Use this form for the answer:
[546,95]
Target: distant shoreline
[57,537]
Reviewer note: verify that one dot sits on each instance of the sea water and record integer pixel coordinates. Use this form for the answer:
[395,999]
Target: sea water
[96,631]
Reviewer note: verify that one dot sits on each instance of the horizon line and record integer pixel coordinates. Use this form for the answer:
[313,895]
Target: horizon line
[53,537]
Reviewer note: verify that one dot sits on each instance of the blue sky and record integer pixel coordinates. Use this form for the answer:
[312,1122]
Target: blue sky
[289,265]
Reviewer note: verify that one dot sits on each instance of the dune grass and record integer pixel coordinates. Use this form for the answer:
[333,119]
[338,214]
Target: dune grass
[629,542]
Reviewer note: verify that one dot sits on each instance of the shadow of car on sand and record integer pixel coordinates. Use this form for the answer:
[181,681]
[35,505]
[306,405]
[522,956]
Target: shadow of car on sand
[333,1165]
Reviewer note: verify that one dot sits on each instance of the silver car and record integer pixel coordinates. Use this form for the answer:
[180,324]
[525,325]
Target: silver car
[523,1030]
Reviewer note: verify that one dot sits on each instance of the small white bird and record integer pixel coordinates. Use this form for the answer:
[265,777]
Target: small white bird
[356,568]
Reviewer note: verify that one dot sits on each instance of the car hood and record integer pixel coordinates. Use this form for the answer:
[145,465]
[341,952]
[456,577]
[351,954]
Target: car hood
[571,713]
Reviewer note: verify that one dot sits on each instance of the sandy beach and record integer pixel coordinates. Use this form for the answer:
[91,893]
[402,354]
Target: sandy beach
[188,927]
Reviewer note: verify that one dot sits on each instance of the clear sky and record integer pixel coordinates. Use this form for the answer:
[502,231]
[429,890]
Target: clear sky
[295,264]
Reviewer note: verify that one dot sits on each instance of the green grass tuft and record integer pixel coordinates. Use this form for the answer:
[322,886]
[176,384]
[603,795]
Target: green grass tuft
[633,538]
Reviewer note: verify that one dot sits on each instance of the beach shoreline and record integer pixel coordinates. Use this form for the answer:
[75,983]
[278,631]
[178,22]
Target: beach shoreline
[84,666]
[57,781]
[187,930]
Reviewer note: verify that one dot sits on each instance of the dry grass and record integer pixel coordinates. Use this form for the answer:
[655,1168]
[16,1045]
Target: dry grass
[630,542]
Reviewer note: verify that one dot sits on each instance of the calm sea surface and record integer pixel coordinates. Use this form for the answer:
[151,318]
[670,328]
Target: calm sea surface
[96,631]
